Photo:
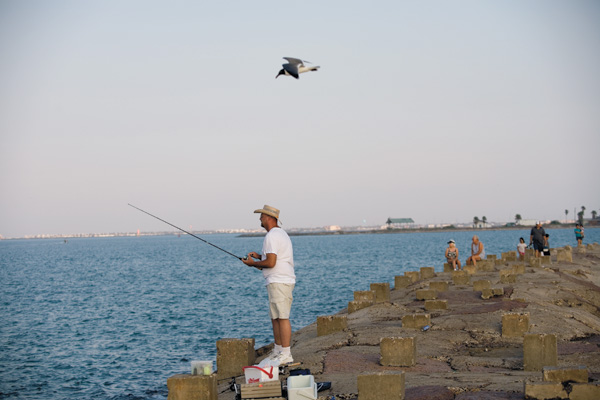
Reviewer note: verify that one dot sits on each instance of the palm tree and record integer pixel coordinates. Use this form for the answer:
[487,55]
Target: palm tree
[475,222]
[594,214]
[580,217]
[484,220]
[566,213]
[518,219]
[582,210]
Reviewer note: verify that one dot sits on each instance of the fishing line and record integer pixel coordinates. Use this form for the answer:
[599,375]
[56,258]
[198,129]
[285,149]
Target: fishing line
[183,230]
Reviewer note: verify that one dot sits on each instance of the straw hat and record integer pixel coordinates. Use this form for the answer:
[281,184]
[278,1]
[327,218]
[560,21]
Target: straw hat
[268,210]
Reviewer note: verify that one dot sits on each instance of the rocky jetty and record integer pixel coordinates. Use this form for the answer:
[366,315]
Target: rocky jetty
[501,330]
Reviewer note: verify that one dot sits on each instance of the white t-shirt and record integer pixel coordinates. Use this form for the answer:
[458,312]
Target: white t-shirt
[521,247]
[278,242]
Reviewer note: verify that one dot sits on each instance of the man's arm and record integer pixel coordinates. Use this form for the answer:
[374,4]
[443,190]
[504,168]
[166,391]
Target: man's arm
[269,262]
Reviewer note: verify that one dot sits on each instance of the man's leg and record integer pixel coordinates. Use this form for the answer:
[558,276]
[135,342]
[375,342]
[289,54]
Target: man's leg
[282,332]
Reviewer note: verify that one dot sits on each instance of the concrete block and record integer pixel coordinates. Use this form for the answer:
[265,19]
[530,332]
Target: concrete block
[427,272]
[439,286]
[515,324]
[436,305]
[518,269]
[500,262]
[461,278]
[539,351]
[426,294]
[416,321]
[508,278]
[479,285]
[492,257]
[382,385]
[448,267]
[564,375]
[509,256]
[192,387]
[413,275]
[545,391]
[365,295]
[546,260]
[354,306]
[486,265]
[488,293]
[233,355]
[398,352]
[585,391]
[471,269]
[535,262]
[329,324]
[382,292]
[402,281]
[564,255]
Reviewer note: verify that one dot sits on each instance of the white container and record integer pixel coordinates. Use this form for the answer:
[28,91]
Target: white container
[255,373]
[301,387]
[201,367]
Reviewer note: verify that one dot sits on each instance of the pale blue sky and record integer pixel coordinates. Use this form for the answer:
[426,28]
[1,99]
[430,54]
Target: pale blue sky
[435,110]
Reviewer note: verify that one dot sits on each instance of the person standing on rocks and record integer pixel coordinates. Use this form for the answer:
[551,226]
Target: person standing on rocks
[537,238]
[579,234]
[276,262]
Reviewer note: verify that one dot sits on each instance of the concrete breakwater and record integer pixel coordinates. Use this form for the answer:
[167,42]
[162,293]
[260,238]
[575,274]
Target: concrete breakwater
[506,329]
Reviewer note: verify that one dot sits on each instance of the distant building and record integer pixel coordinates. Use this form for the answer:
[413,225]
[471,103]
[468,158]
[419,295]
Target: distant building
[399,223]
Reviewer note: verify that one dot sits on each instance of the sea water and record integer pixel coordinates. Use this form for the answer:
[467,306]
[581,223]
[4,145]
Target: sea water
[113,318]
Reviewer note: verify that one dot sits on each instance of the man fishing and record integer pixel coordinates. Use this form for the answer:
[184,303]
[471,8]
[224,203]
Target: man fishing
[276,262]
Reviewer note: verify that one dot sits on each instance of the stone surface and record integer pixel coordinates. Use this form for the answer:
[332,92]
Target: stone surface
[564,375]
[427,272]
[378,386]
[416,321]
[398,351]
[439,286]
[436,305]
[328,324]
[426,294]
[382,291]
[539,351]
[515,324]
[233,355]
[192,387]
[365,295]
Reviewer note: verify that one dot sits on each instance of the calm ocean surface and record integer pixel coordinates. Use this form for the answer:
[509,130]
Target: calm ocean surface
[113,318]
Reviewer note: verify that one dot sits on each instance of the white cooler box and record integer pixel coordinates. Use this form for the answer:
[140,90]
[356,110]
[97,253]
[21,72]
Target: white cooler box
[255,373]
[301,387]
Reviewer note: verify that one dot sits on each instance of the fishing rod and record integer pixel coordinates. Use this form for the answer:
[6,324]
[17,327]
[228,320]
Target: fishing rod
[189,233]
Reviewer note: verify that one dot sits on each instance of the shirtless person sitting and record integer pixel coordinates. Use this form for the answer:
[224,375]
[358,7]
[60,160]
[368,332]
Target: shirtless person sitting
[477,251]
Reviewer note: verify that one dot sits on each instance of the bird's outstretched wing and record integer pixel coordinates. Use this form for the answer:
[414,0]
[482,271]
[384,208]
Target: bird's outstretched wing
[292,60]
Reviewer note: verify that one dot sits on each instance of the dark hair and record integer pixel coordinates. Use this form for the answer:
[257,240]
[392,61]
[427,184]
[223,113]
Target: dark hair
[522,239]
[547,235]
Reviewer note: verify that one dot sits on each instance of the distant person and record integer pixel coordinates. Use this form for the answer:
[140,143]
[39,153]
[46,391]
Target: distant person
[536,238]
[579,234]
[546,244]
[452,255]
[477,251]
[521,248]
[276,262]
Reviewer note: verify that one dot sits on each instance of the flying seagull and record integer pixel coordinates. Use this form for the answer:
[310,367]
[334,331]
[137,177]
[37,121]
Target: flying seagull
[295,67]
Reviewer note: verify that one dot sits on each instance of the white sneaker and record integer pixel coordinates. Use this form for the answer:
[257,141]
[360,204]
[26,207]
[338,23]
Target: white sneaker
[283,359]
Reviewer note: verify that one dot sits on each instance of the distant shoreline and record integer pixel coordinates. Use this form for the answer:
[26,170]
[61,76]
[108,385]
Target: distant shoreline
[298,232]
[412,230]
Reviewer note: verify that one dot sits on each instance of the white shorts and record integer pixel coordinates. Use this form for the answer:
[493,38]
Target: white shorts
[280,300]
